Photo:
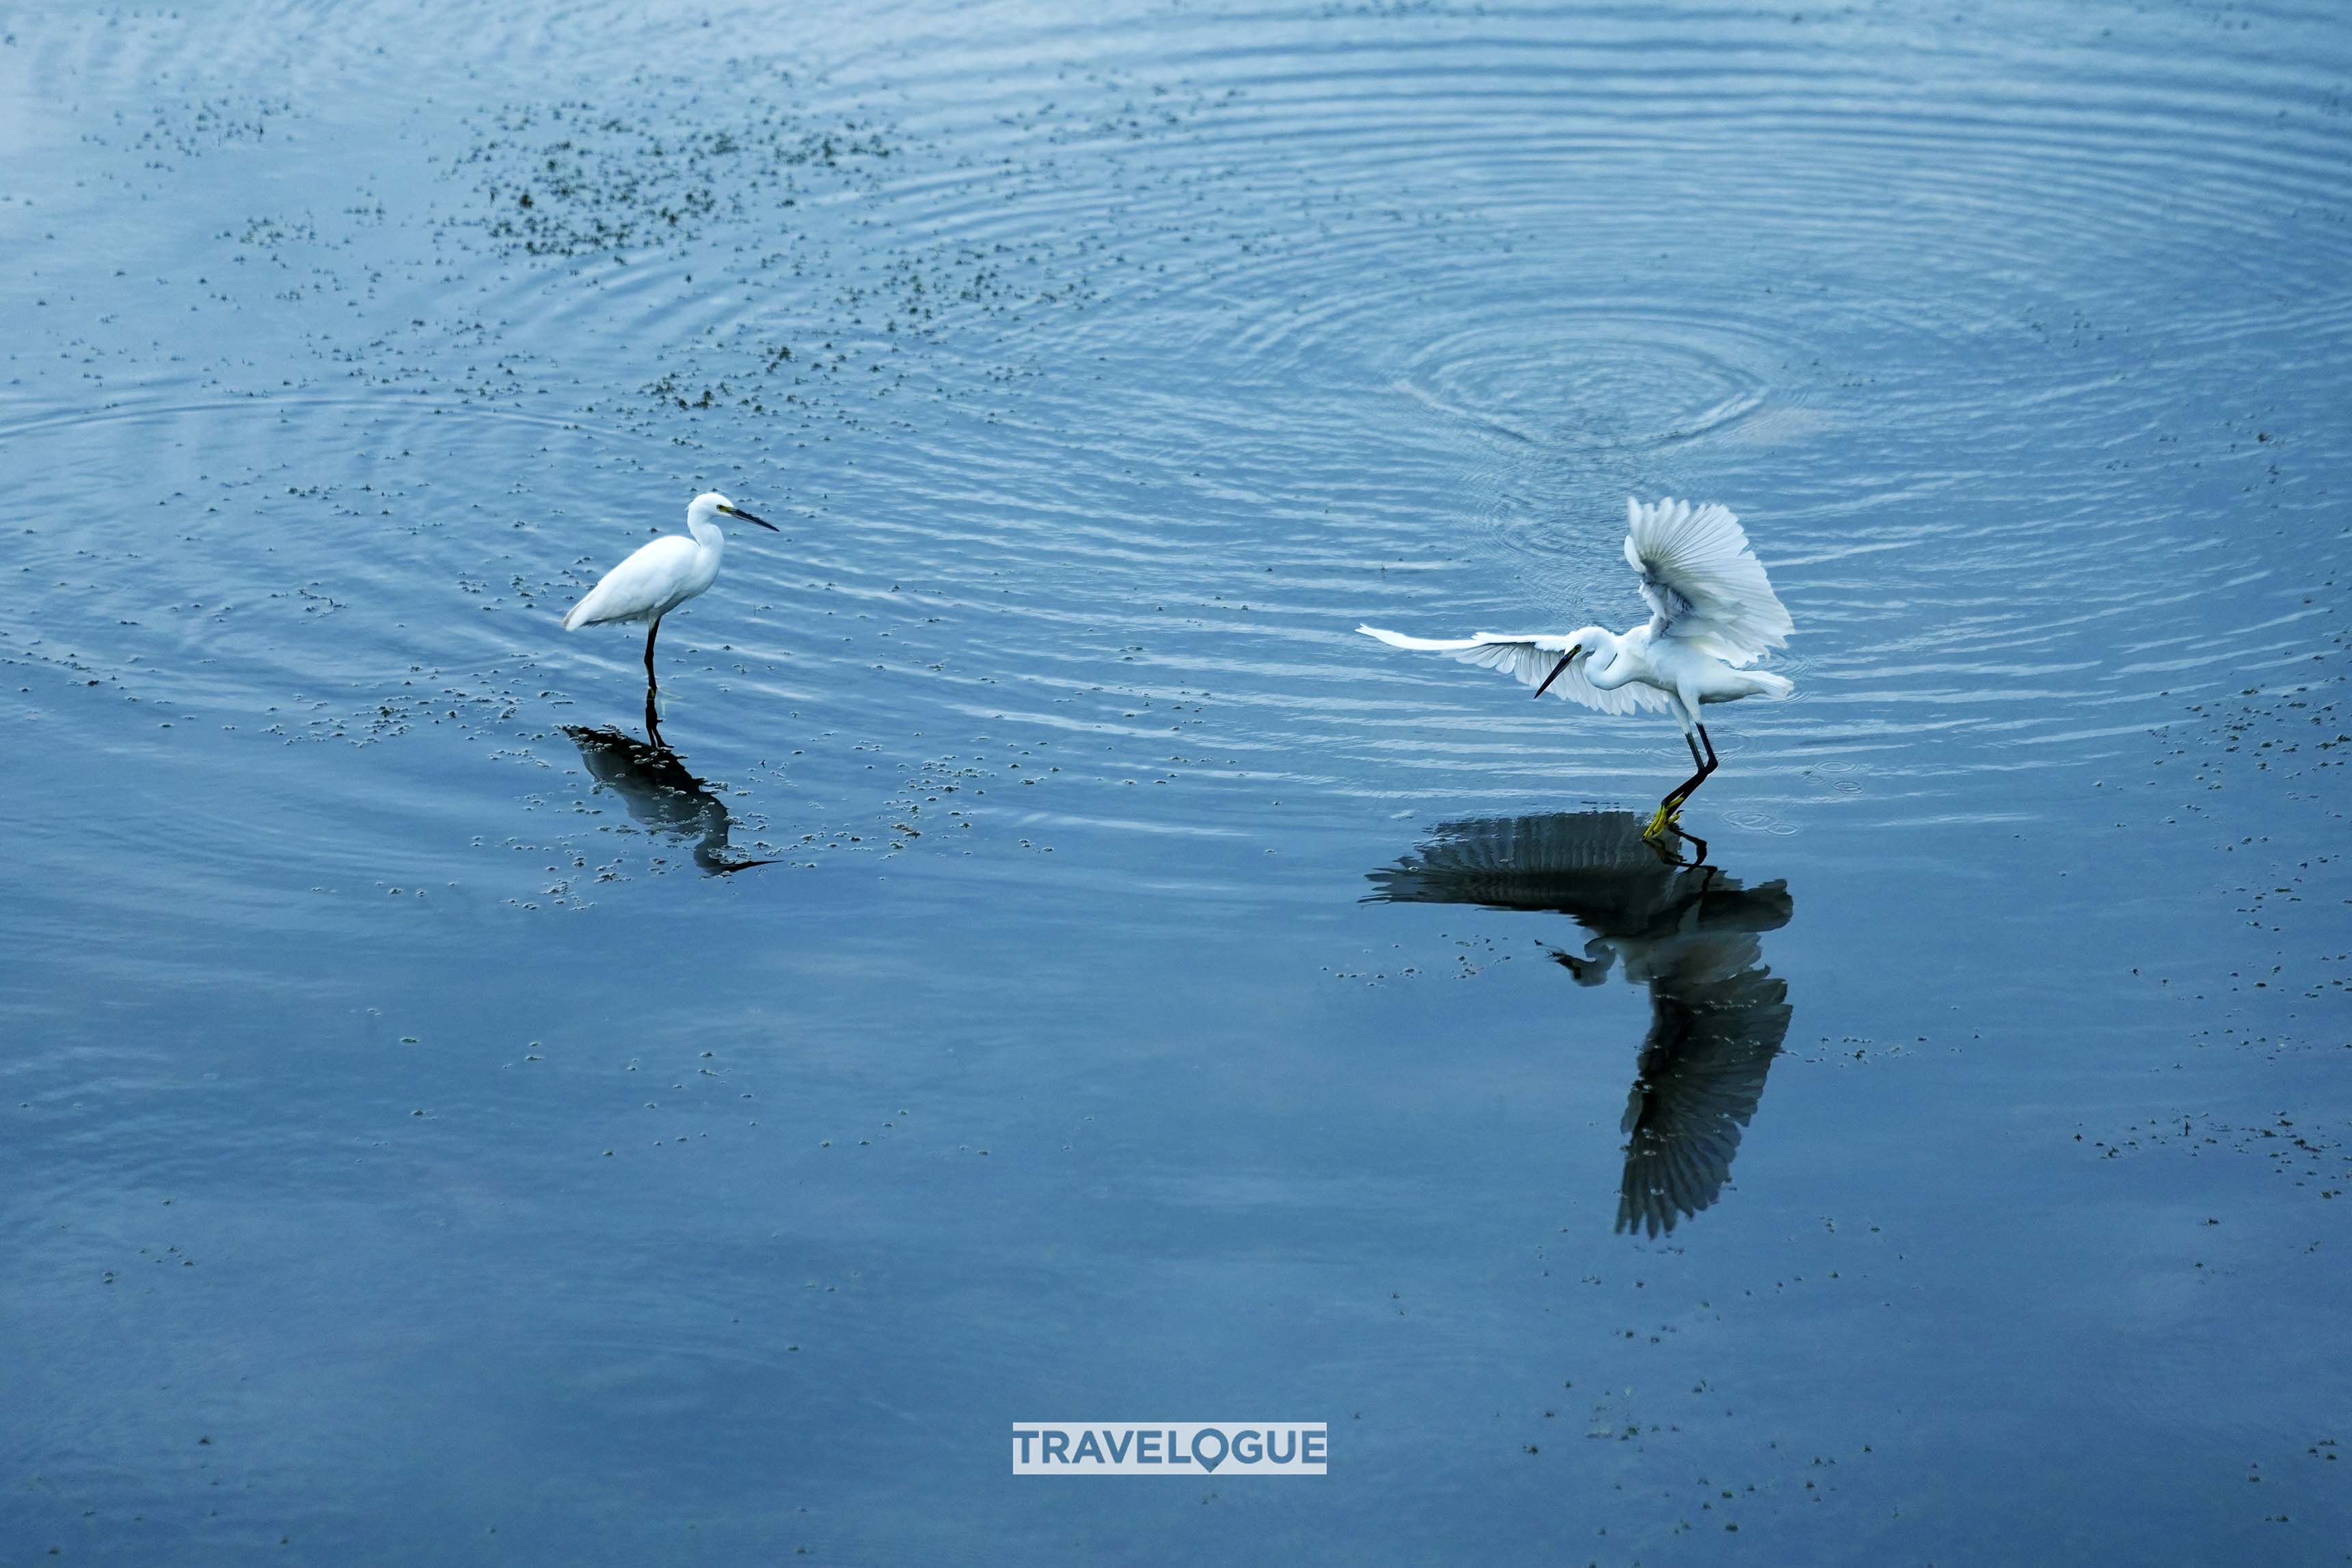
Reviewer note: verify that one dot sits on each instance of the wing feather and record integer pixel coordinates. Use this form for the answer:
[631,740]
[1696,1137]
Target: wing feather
[1702,582]
[1529,659]
[639,587]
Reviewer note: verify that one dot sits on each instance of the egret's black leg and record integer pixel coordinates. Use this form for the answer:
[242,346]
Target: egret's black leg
[1664,821]
[653,720]
[1697,760]
[1680,792]
[1673,803]
[1706,768]
[652,632]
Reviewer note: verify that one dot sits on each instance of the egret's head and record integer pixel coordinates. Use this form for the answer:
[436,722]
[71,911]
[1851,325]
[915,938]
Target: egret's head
[711,505]
[1582,645]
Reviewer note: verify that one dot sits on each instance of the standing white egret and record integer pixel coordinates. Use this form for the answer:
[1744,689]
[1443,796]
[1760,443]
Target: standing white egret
[1713,613]
[663,574]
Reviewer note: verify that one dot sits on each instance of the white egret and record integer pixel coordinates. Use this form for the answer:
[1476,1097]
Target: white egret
[1712,613]
[662,574]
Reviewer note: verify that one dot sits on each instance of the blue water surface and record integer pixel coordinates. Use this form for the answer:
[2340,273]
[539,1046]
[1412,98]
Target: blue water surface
[429,1138]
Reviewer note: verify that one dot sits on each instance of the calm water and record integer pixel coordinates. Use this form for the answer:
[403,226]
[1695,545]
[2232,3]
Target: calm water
[430,1138]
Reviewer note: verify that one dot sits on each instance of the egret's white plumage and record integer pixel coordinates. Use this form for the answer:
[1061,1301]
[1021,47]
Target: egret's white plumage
[1701,582]
[663,574]
[1712,613]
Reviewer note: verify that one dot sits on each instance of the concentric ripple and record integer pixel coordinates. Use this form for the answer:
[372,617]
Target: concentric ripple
[1610,382]
[1115,375]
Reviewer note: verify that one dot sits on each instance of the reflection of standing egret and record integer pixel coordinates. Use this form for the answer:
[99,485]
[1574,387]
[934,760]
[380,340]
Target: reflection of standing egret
[1712,613]
[660,792]
[1688,932]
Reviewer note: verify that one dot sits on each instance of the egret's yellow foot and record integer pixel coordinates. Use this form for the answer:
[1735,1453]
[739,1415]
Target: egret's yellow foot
[1662,819]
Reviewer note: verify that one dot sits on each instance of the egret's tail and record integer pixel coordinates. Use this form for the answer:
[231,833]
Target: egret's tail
[1776,686]
[595,605]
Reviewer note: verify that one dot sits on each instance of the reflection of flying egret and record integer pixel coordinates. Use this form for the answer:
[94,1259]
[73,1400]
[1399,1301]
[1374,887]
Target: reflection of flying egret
[1712,613]
[663,574]
[1688,932]
[660,793]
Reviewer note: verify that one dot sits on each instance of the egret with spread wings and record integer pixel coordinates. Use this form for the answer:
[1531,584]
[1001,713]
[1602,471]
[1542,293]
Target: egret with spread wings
[1712,613]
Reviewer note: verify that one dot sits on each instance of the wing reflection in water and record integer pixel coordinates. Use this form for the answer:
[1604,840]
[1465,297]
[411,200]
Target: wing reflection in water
[660,793]
[1688,932]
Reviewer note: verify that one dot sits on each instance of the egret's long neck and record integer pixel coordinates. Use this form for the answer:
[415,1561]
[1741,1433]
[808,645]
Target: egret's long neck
[1606,667]
[706,532]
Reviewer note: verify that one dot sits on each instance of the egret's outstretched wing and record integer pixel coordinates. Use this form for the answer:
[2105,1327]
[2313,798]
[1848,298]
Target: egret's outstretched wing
[1529,659]
[1702,582]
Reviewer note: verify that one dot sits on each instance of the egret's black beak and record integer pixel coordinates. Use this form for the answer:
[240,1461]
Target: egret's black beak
[747,517]
[1556,669]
